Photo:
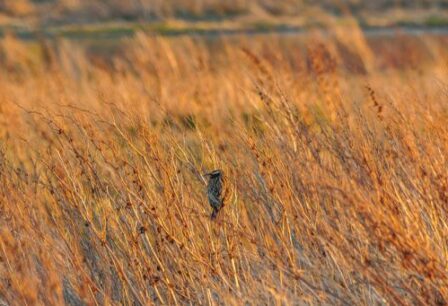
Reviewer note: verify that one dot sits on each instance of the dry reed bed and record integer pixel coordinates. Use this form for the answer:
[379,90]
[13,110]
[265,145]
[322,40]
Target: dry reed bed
[335,160]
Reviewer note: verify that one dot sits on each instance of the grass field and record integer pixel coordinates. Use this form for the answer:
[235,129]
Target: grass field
[116,18]
[333,147]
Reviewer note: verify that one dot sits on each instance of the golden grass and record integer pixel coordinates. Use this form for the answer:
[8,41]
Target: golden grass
[334,150]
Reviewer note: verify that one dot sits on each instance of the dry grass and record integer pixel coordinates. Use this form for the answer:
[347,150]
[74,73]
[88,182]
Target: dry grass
[334,150]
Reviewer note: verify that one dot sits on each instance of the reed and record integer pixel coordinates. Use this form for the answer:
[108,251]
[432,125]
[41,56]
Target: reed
[334,152]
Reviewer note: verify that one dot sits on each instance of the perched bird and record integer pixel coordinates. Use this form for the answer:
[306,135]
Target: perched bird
[214,189]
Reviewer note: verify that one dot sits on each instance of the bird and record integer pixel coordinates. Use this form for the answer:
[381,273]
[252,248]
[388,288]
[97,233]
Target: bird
[214,189]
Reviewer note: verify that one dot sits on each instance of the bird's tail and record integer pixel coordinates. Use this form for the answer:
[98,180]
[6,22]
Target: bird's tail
[214,214]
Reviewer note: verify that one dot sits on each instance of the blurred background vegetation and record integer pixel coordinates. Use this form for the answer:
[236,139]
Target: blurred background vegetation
[32,13]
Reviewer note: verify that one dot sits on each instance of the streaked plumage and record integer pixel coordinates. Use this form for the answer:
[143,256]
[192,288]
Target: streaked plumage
[214,190]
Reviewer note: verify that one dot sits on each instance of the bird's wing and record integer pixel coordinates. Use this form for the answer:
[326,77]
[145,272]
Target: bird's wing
[214,198]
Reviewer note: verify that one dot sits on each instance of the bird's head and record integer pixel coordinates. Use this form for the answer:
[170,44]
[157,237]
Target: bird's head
[214,173]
